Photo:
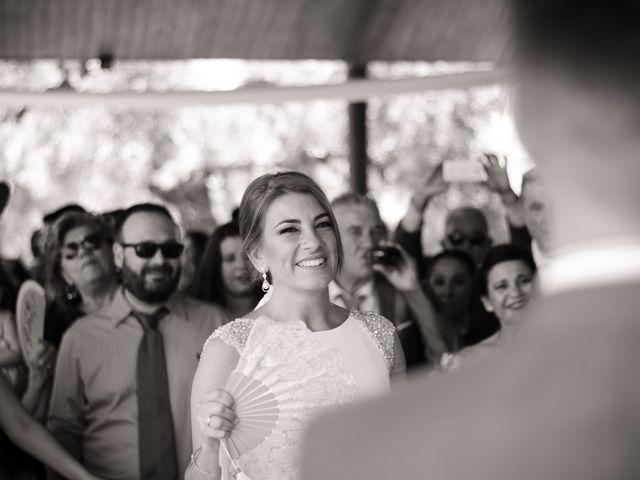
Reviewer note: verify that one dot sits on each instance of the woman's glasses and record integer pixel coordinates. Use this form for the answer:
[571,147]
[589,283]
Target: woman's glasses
[91,242]
[169,249]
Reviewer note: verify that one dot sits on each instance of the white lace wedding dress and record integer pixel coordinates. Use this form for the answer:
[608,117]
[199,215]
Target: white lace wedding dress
[318,370]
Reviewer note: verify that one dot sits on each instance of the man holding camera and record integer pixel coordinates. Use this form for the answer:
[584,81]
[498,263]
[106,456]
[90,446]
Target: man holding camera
[379,276]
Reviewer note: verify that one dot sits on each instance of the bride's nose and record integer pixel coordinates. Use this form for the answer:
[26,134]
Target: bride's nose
[310,239]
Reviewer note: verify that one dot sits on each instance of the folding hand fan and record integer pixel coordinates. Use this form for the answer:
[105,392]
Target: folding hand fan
[30,311]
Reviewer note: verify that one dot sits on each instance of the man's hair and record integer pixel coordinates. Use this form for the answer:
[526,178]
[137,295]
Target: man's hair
[593,42]
[467,211]
[353,198]
[154,208]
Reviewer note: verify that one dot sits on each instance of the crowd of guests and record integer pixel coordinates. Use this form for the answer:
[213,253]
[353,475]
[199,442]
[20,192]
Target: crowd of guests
[116,270]
[531,363]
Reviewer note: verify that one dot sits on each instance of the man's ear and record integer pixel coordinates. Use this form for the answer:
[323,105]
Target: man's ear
[487,304]
[118,255]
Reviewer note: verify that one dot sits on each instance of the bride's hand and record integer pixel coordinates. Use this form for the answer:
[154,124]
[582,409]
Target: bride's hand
[216,415]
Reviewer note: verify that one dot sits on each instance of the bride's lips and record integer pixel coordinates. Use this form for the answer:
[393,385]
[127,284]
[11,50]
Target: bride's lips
[312,262]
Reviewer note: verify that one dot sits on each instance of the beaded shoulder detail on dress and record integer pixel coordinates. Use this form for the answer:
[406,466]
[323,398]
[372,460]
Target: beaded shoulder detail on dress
[234,334]
[382,331]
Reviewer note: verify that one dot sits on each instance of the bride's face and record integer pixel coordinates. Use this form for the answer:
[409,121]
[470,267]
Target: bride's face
[299,246]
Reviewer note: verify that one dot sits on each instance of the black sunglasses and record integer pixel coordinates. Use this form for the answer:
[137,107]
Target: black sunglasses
[456,238]
[91,242]
[169,249]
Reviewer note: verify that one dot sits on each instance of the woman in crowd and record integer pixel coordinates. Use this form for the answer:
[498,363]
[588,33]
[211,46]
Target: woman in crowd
[80,273]
[451,281]
[449,277]
[33,438]
[318,353]
[507,276]
[194,245]
[226,276]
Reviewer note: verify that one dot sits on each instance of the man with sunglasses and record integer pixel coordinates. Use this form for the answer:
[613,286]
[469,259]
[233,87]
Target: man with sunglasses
[120,399]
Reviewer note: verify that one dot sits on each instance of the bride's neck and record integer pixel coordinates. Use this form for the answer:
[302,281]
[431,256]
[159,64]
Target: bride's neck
[313,308]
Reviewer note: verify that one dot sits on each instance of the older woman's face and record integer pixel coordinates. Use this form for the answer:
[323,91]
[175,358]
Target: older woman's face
[86,257]
[509,290]
[237,272]
[298,245]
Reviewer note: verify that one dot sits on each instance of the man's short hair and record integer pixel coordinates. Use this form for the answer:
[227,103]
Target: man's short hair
[353,198]
[140,208]
[593,42]
[466,212]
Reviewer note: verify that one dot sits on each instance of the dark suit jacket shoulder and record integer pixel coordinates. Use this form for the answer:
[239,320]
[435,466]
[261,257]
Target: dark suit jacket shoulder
[561,402]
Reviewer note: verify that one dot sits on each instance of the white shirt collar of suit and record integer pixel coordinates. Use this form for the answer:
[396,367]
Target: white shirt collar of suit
[591,265]
[366,290]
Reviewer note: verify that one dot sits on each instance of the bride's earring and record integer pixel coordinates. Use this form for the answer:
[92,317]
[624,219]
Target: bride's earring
[265,283]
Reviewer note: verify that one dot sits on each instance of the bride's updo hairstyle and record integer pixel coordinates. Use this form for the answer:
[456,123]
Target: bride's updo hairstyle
[261,193]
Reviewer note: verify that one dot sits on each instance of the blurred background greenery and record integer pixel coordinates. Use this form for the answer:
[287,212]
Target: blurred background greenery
[200,159]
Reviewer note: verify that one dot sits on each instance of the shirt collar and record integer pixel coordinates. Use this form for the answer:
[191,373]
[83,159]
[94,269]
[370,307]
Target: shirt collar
[592,264]
[365,290]
[120,308]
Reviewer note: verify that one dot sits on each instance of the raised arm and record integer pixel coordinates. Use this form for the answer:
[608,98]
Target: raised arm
[498,181]
[408,234]
[404,278]
[33,438]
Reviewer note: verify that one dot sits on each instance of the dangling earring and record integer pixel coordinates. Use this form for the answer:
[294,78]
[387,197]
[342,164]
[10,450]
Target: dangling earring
[71,293]
[265,283]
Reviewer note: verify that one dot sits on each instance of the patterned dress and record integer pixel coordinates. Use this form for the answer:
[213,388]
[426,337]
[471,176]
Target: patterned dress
[308,373]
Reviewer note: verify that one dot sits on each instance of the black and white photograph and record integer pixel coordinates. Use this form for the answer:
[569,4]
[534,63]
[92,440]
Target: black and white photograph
[319,240]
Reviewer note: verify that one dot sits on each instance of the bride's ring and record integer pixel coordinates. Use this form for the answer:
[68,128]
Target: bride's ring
[209,420]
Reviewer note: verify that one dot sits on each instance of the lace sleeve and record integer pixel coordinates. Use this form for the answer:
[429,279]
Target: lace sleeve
[382,331]
[234,333]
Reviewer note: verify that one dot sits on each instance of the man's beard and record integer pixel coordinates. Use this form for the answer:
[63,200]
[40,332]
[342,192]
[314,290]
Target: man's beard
[158,292]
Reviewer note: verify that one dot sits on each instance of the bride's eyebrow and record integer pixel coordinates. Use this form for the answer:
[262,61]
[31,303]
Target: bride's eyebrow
[289,220]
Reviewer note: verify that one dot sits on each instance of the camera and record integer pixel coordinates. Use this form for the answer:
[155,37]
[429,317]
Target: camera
[388,256]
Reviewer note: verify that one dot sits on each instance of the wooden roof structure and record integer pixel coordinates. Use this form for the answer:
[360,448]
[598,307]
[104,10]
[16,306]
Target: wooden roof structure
[356,31]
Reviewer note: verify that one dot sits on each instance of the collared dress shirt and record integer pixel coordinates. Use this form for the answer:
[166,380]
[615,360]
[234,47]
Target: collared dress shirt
[94,411]
[592,264]
[369,301]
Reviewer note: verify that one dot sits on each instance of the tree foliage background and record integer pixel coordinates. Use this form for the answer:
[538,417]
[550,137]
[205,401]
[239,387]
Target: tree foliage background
[200,159]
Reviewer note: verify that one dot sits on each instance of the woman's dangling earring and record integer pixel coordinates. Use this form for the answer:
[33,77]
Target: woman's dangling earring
[71,293]
[265,283]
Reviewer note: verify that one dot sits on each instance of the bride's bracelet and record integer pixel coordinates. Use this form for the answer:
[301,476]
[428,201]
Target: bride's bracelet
[194,458]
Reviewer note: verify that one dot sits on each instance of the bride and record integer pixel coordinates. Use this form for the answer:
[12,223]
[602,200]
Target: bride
[318,353]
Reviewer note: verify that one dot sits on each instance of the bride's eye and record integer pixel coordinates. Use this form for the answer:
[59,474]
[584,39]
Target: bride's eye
[288,230]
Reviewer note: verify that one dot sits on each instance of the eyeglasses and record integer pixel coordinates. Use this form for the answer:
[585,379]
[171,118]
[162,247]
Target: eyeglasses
[91,242]
[457,238]
[169,249]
